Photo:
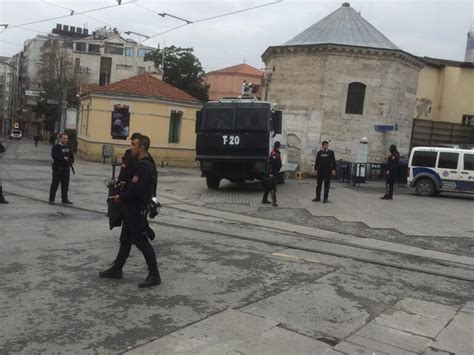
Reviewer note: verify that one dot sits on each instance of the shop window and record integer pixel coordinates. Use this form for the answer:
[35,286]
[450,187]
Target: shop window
[355,98]
[175,126]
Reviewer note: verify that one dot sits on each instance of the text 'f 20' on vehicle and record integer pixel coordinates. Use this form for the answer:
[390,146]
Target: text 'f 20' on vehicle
[436,169]
[234,139]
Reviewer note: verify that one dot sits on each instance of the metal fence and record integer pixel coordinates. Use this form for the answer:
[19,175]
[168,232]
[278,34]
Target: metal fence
[349,172]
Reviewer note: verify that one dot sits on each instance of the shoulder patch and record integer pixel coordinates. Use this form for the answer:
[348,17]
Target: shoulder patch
[135,179]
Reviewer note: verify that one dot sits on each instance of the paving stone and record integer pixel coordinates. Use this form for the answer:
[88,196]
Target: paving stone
[412,323]
[376,347]
[180,344]
[455,341]
[431,351]
[468,308]
[463,322]
[278,341]
[426,309]
[313,310]
[355,349]
[227,326]
[394,337]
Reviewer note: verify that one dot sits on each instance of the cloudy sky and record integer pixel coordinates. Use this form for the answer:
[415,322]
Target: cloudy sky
[425,28]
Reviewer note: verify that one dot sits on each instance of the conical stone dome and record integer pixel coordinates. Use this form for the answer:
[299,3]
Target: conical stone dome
[345,27]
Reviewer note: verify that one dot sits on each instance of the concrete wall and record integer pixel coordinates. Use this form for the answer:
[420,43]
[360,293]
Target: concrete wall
[310,86]
[230,85]
[445,93]
[146,116]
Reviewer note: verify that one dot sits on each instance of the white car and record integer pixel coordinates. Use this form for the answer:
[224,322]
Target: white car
[436,169]
[16,134]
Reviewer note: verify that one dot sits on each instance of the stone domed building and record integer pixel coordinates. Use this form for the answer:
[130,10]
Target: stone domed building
[335,81]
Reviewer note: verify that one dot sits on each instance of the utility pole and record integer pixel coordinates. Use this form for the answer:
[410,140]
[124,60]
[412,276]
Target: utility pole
[60,97]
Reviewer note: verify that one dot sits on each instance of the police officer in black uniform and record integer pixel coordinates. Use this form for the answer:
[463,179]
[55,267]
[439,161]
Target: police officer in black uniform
[136,196]
[127,161]
[63,158]
[272,182]
[324,167]
[391,172]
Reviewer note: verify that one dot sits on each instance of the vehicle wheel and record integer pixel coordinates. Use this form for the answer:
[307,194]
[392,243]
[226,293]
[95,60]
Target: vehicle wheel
[425,187]
[212,182]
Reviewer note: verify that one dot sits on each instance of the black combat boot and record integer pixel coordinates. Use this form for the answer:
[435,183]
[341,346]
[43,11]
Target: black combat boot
[387,195]
[113,272]
[2,199]
[153,278]
[274,199]
[265,198]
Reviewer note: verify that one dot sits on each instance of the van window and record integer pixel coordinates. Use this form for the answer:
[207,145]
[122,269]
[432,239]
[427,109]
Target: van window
[448,160]
[427,159]
[468,161]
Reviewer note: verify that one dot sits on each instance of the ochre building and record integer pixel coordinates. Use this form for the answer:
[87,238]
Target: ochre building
[110,114]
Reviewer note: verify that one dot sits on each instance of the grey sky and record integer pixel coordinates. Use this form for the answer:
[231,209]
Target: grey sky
[425,28]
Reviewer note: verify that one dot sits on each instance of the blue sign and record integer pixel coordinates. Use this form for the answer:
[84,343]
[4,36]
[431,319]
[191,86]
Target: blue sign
[385,128]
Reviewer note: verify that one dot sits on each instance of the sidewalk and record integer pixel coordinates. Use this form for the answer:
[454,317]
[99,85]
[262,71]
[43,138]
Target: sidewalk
[410,327]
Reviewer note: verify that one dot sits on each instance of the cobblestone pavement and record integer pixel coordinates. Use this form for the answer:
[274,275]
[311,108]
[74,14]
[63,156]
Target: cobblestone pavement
[224,294]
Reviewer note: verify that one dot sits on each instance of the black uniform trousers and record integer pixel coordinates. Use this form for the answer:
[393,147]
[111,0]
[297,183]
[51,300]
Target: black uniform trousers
[326,178]
[134,232]
[60,176]
[271,184]
[389,182]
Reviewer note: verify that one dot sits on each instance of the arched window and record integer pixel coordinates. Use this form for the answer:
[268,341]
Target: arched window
[355,98]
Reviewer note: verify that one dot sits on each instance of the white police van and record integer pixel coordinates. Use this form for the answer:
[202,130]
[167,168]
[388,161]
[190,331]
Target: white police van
[435,169]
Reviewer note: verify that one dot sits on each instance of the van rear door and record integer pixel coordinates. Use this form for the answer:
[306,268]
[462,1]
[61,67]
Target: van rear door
[466,175]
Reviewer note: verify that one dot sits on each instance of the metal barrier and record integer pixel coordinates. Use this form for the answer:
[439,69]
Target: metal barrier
[350,172]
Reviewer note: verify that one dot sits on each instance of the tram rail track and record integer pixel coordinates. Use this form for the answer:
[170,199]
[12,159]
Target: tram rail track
[325,246]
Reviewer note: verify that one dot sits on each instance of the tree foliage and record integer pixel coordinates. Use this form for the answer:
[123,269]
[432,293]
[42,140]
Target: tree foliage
[182,69]
[50,81]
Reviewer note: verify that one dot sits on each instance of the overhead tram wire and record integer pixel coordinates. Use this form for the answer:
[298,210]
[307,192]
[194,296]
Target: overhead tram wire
[74,11]
[64,16]
[208,18]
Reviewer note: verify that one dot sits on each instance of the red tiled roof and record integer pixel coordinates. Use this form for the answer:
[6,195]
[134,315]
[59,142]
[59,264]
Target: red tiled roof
[85,88]
[146,85]
[244,69]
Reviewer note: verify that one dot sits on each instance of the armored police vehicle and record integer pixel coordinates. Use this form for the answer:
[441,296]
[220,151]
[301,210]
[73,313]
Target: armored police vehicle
[234,138]
[436,169]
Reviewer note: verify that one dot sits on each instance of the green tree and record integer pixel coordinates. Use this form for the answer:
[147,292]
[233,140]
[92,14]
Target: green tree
[182,69]
[50,75]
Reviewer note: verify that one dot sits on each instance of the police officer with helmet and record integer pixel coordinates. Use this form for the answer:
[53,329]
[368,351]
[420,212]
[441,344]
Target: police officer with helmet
[136,196]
